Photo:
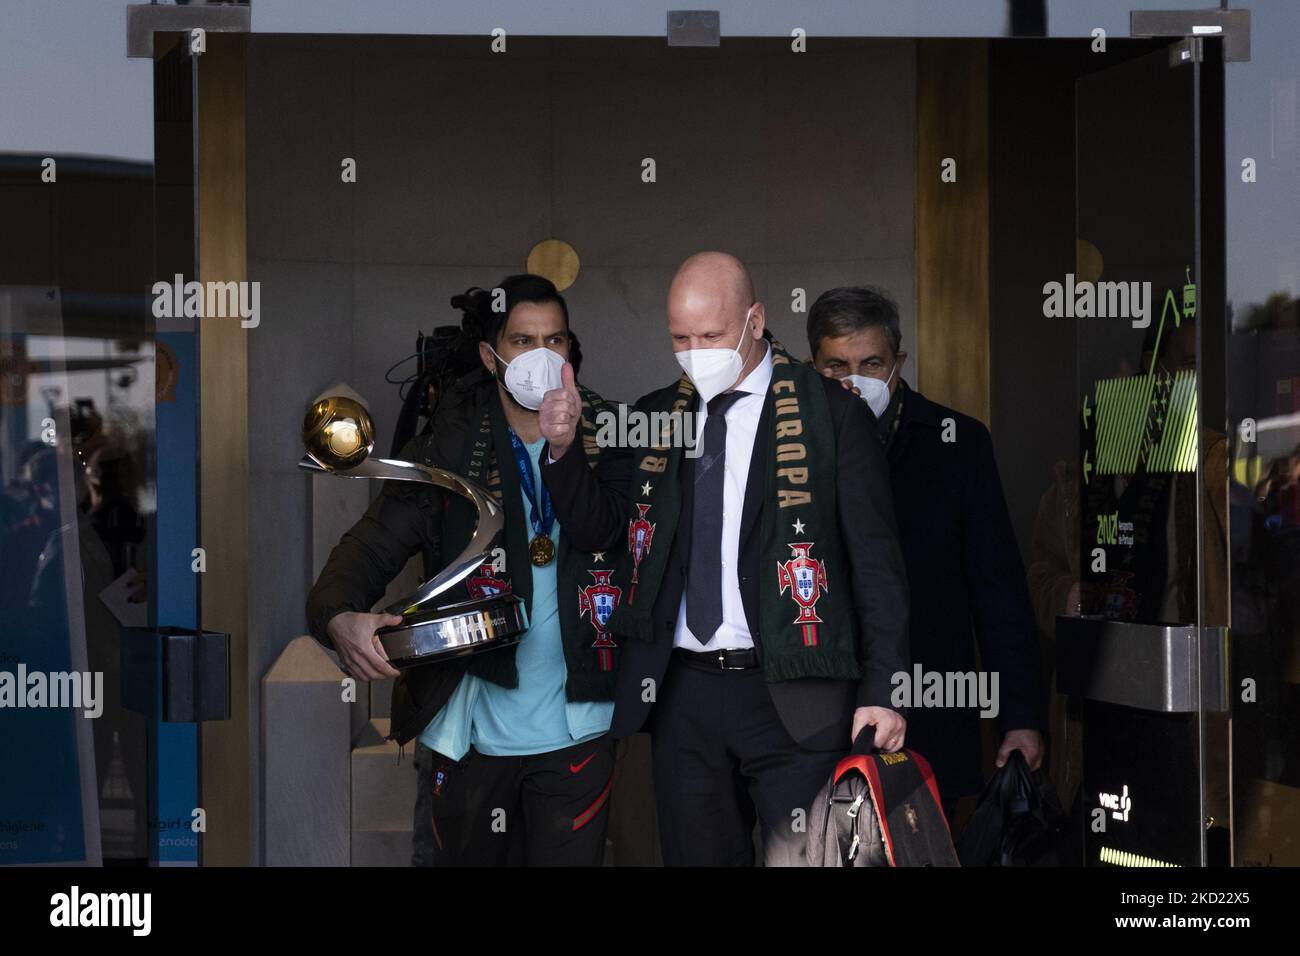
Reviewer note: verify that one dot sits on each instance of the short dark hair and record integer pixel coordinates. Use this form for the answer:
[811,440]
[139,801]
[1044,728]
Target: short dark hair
[852,308]
[575,352]
[525,287]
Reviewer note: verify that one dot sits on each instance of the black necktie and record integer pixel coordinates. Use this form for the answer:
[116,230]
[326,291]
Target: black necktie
[704,577]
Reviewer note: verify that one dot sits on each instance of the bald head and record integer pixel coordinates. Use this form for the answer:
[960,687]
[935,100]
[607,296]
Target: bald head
[714,278]
[707,304]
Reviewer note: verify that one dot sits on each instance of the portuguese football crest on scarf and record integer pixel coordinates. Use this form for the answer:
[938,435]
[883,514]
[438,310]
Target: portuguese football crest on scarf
[805,577]
[640,532]
[598,601]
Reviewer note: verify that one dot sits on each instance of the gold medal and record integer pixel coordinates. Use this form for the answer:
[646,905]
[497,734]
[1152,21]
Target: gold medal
[541,550]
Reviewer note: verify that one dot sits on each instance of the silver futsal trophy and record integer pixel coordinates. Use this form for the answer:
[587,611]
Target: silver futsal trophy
[340,436]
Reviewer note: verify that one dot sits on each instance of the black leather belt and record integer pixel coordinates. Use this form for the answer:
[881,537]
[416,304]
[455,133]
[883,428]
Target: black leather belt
[727,659]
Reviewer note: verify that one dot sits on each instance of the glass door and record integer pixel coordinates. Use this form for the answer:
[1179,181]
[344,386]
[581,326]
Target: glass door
[1146,645]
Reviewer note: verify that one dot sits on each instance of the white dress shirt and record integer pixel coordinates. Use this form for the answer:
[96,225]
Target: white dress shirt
[742,427]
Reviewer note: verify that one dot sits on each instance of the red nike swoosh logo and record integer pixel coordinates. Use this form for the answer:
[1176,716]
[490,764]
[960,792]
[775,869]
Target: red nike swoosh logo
[575,767]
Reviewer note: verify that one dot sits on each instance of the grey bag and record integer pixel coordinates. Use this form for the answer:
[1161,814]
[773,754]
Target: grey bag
[844,830]
[880,810]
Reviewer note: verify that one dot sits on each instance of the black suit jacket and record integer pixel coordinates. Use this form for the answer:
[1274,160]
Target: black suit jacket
[818,713]
[967,582]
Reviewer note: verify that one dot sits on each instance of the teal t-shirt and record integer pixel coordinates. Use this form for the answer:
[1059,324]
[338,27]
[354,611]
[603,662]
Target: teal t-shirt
[533,717]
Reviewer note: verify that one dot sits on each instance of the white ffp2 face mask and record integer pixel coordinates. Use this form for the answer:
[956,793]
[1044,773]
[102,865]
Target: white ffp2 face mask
[713,371]
[532,374]
[874,392]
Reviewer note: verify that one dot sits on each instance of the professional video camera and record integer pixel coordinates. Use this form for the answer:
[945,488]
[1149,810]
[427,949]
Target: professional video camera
[446,354]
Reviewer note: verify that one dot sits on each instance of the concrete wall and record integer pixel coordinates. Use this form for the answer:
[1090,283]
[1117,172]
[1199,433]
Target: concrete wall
[802,165]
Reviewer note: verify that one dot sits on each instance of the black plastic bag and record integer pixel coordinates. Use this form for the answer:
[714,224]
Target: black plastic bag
[1017,822]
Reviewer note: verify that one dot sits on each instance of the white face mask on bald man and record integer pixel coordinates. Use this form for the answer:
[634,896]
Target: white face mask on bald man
[713,371]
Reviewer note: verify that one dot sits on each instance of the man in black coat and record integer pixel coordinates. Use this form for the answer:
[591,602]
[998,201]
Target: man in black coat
[765,605]
[964,569]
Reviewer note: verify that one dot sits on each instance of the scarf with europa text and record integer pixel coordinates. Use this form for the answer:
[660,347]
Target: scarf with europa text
[805,626]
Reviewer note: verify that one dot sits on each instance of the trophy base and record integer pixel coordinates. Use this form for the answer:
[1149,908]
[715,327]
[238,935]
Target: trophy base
[432,635]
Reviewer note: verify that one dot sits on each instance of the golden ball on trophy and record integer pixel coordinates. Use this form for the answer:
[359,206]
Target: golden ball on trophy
[338,433]
[340,436]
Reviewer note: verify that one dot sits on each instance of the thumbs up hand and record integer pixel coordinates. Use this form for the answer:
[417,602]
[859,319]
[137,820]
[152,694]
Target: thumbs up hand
[560,412]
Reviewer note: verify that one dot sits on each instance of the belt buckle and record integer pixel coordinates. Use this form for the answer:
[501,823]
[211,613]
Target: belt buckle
[722,661]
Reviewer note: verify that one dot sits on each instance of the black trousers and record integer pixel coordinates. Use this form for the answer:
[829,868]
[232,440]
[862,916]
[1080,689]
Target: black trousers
[546,809]
[722,760]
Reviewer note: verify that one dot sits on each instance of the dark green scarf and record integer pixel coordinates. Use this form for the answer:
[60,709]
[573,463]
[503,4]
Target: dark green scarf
[582,579]
[805,625]
[892,417]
